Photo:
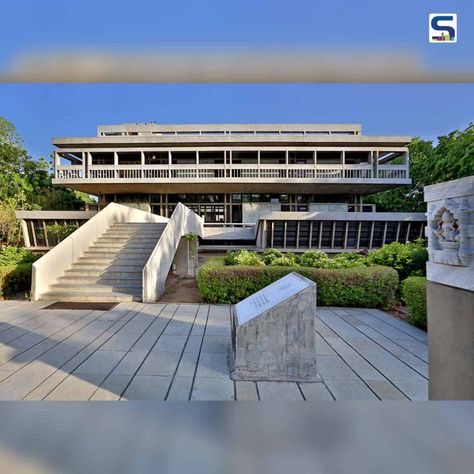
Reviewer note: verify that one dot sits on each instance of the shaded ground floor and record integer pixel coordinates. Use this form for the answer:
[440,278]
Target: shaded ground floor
[171,351]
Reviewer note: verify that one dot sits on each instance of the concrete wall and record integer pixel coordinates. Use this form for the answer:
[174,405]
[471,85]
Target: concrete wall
[48,268]
[451,342]
[155,272]
[450,292]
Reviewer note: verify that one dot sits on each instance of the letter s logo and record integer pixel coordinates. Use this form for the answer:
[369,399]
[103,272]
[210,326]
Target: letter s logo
[443,27]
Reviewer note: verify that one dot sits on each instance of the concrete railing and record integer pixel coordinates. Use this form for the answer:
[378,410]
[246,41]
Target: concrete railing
[155,272]
[51,266]
[229,172]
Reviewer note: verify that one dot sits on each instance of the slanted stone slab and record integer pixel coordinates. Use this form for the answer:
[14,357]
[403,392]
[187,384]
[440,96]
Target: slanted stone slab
[273,333]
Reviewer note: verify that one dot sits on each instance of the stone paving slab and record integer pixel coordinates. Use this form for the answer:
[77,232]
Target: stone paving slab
[246,391]
[285,391]
[213,389]
[173,351]
[316,392]
[180,388]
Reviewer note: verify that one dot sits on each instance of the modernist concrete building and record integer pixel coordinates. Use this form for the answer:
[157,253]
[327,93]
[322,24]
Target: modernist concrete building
[303,183]
[291,187]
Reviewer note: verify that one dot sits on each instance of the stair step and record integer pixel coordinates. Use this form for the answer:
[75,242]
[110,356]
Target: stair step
[98,280]
[103,266]
[80,273]
[124,259]
[127,239]
[115,251]
[127,287]
[91,297]
[118,247]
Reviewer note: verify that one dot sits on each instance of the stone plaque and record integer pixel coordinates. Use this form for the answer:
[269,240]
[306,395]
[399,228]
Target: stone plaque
[270,296]
[273,332]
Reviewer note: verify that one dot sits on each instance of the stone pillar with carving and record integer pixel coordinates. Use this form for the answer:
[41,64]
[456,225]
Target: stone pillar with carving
[450,289]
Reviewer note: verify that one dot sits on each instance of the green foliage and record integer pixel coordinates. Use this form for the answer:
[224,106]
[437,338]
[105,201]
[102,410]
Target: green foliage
[9,224]
[408,259]
[59,232]
[243,257]
[451,158]
[313,258]
[191,236]
[286,260]
[369,287]
[15,255]
[15,278]
[26,183]
[270,255]
[414,296]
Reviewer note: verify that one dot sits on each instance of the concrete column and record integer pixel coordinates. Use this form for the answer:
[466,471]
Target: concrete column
[186,258]
[450,289]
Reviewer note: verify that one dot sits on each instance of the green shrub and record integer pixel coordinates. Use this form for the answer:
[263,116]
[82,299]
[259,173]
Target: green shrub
[15,278]
[15,255]
[414,296]
[270,255]
[242,257]
[314,258]
[408,259]
[59,232]
[286,260]
[369,287]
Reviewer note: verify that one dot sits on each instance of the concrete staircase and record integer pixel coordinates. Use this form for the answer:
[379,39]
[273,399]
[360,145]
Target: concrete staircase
[111,269]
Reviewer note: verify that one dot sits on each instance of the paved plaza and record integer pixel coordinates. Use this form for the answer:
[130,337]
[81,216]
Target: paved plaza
[165,351]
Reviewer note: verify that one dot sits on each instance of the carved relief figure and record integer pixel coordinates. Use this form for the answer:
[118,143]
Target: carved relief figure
[448,228]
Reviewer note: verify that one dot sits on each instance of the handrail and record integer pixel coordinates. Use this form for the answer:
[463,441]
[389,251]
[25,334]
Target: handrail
[52,265]
[155,272]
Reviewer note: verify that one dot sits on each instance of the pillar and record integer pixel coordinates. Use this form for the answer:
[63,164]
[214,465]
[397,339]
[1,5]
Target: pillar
[450,289]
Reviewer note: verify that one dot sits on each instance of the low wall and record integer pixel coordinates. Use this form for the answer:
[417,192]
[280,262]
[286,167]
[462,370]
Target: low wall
[51,266]
[450,289]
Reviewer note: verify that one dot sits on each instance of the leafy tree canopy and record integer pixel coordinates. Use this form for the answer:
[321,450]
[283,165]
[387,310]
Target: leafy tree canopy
[26,183]
[451,158]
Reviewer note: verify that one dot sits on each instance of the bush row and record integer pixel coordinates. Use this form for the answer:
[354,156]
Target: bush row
[15,278]
[369,287]
[414,296]
[407,259]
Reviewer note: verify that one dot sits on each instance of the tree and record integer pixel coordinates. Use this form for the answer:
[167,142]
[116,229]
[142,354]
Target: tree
[26,183]
[451,158]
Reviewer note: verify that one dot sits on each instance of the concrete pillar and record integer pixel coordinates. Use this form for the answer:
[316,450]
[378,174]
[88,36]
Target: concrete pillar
[450,289]
[186,258]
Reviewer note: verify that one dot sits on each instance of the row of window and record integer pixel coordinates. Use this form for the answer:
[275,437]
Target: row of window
[221,157]
[235,198]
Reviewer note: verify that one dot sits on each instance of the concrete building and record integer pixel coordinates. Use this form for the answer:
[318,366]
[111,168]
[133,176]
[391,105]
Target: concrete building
[239,176]
[292,187]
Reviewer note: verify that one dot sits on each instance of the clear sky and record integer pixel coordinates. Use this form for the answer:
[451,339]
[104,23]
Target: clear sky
[43,111]
[32,25]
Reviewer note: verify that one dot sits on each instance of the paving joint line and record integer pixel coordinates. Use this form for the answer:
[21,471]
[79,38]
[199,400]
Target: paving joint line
[182,353]
[199,353]
[80,350]
[148,353]
[384,348]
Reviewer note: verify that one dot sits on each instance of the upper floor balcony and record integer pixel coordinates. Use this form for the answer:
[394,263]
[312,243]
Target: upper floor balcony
[379,167]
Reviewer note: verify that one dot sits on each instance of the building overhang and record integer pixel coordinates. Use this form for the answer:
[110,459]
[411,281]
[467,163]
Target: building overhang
[330,186]
[154,141]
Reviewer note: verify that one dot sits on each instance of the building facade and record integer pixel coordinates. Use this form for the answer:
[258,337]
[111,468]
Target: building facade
[282,185]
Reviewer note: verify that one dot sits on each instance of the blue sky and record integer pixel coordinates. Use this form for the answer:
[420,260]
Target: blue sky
[31,25]
[46,110]
[43,111]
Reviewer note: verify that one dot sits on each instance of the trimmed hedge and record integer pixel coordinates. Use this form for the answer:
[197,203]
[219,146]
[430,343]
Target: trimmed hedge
[414,296]
[15,278]
[368,287]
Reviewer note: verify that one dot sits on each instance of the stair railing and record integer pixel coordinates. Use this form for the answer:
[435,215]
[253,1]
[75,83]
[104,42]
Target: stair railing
[155,272]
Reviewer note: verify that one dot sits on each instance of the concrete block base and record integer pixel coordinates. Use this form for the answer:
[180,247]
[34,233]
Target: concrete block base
[450,340]
[280,343]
